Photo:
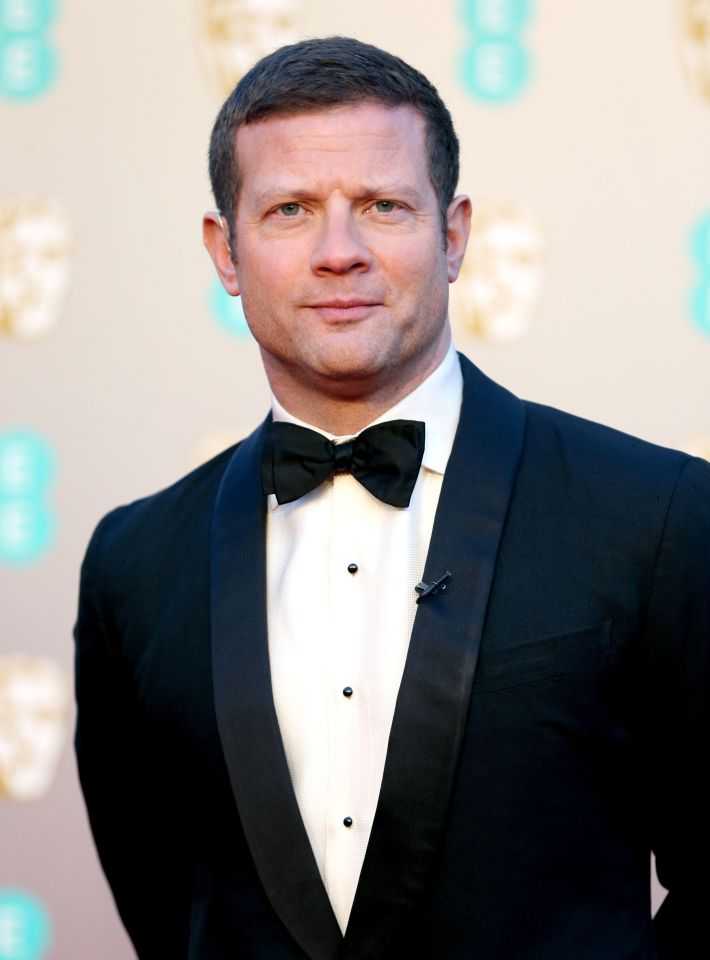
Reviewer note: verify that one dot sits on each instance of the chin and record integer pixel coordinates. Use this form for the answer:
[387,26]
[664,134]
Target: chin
[353,366]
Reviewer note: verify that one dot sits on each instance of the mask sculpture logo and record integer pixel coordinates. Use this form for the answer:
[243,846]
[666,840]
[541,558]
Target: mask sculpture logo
[234,34]
[34,699]
[694,39]
[214,442]
[35,242]
[498,289]
[697,446]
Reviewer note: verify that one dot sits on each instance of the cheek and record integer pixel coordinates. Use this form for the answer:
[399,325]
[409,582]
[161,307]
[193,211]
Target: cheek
[268,307]
[268,277]
[426,280]
[423,262]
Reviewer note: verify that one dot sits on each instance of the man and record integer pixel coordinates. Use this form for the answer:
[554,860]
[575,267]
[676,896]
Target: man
[435,689]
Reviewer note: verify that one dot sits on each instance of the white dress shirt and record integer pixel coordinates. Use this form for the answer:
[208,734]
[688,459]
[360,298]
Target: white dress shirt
[333,629]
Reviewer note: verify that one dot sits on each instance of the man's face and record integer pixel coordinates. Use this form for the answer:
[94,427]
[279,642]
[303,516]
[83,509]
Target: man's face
[340,259]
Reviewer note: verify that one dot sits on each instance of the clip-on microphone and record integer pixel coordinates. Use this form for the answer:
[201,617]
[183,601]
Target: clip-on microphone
[432,589]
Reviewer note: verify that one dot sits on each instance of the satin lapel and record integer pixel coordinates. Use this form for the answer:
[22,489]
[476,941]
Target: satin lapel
[248,727]
[433,702]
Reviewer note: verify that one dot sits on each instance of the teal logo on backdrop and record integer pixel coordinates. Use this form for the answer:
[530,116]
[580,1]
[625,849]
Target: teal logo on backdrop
[700,293]
[26,474]
[25,928]
[28,59]
[495,66]
[228,312]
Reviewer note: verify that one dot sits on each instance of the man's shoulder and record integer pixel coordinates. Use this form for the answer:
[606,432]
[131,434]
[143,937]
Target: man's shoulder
[572,428]
[161,517]
[556,438]
[606,455]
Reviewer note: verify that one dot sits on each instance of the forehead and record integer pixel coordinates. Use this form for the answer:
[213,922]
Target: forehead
[366,137]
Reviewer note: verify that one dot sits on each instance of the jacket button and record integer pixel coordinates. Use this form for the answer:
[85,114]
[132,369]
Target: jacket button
[347,691]
[348,821]
[352,568]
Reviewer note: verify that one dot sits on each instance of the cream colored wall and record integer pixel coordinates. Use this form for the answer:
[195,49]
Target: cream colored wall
[603,159]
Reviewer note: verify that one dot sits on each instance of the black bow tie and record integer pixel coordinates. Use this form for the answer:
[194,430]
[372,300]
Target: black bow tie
[385,459]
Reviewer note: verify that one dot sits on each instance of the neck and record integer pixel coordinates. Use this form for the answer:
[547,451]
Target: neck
[344,408]
[341,419]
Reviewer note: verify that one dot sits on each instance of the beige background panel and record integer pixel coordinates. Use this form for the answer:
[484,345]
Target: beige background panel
[608,148]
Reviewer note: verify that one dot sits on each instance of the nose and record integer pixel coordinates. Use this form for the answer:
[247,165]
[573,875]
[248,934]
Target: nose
[341,247]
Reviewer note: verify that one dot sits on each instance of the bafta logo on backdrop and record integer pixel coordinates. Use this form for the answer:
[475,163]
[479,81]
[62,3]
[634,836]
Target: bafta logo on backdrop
[35,244]
[497,292]
[34,700]
[697,446]
[214,442]
[694,39]
[234,34]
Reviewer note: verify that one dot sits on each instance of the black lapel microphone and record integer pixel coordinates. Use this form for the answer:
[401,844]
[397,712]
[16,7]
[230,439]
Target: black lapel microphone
[432,589]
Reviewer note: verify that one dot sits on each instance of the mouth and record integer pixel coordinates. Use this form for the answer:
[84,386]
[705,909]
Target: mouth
[342,310]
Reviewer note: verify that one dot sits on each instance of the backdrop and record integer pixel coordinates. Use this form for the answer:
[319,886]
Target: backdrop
[585,140]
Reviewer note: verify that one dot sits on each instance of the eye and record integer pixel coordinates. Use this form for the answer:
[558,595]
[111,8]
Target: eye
[290,209]
[385,206]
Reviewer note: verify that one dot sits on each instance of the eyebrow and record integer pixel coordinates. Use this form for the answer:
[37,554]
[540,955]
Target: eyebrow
[389,189]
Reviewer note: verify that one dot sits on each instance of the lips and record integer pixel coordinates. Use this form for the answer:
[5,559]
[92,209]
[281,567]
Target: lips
[339,310]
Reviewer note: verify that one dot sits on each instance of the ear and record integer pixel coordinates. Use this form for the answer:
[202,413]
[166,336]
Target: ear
[458,219]
[215,235]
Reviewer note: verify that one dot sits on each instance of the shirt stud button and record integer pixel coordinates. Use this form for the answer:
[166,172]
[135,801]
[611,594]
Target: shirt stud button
[352,568]
[348,821]
[347,691]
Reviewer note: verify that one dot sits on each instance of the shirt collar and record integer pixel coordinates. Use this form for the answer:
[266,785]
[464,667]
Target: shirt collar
[436,401]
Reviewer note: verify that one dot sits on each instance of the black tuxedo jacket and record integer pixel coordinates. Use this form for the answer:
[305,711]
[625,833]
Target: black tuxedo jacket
[551,727]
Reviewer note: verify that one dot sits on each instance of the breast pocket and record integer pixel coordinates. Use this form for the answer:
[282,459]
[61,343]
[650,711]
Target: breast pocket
[549,658]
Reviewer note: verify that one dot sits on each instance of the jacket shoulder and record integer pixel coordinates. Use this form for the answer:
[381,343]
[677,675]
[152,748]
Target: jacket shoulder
[599,450]
[576,467]
[160,517]
[557,441]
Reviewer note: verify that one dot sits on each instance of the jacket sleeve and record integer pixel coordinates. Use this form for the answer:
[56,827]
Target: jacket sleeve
[676,703]
[129,813]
